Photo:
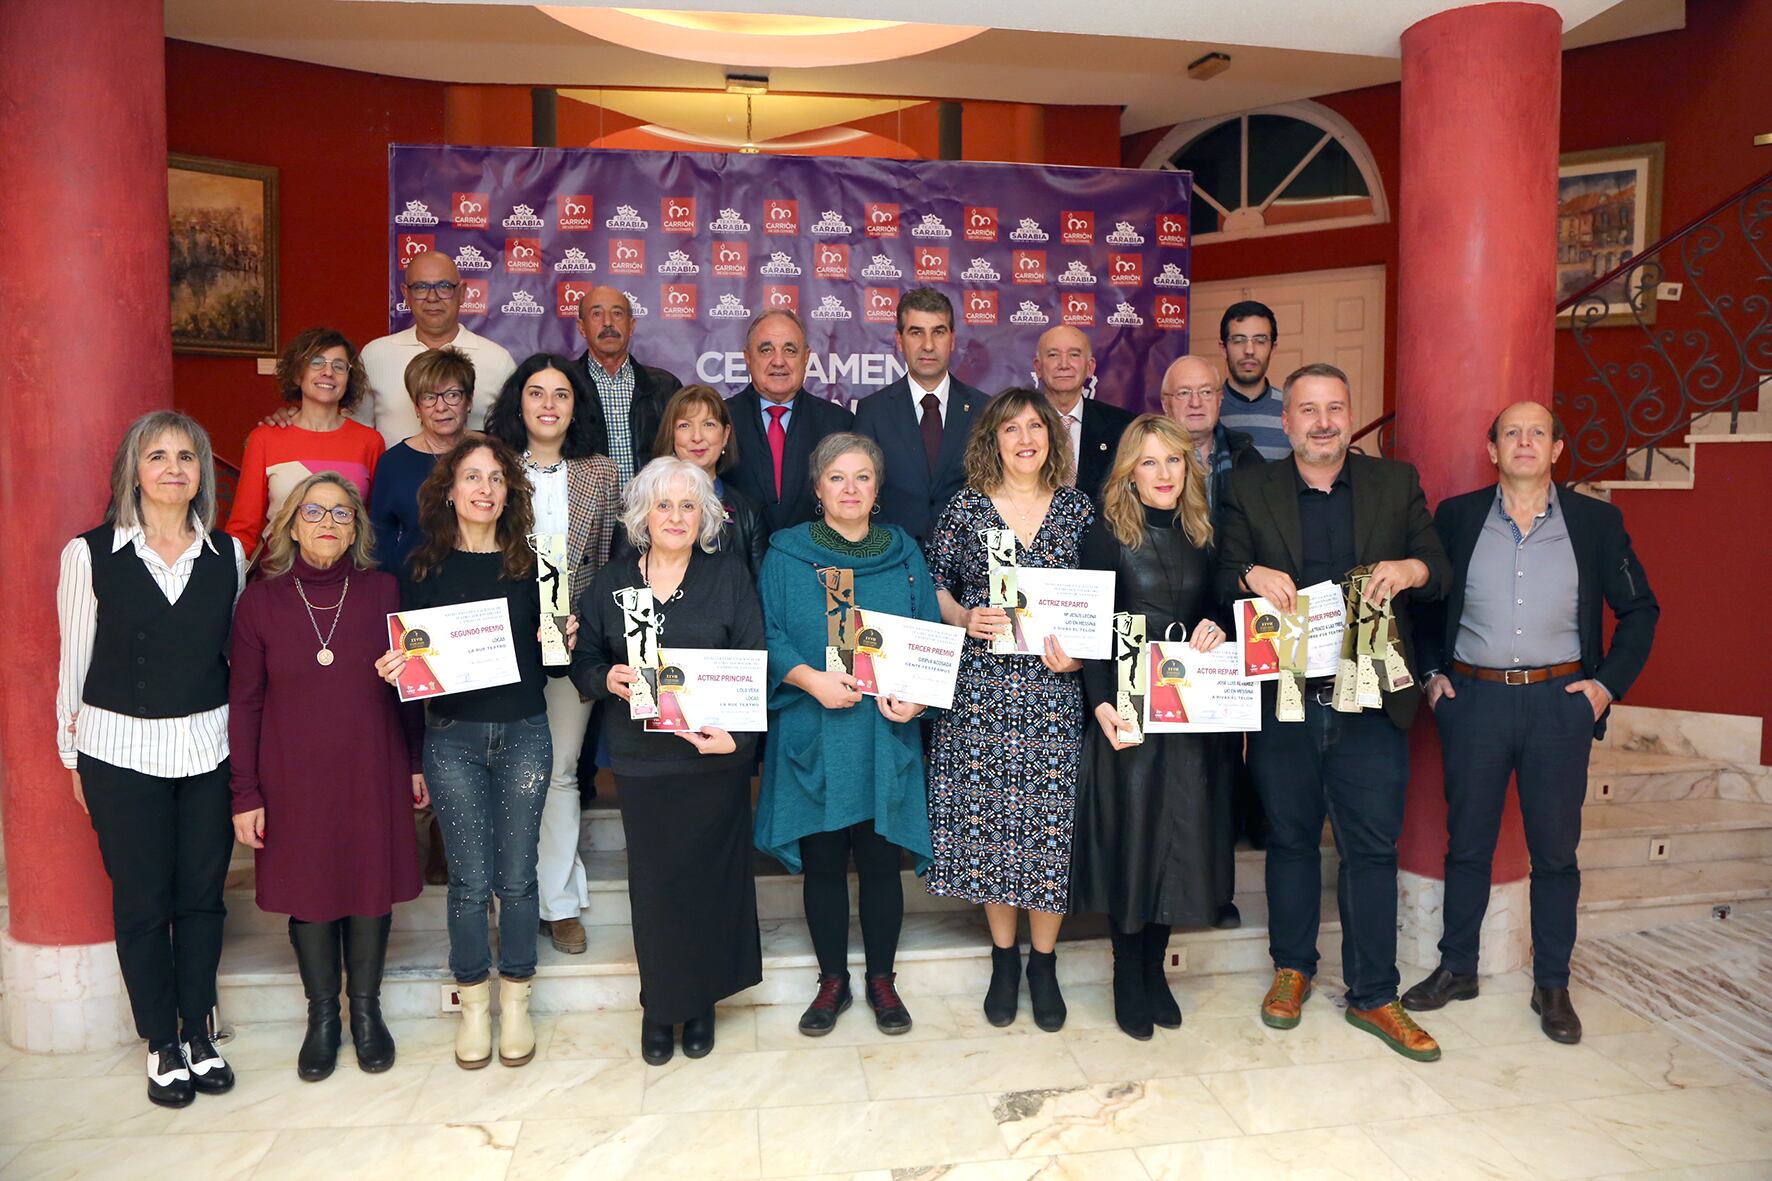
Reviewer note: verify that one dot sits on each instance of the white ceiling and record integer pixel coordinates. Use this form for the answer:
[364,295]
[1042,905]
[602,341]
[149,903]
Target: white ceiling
[1129,53]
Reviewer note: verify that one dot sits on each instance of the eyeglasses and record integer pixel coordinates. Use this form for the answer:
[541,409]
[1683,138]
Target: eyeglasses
[313,514]
[442,289]
[1260,340]
[321,365]
[1204,394]
[449,397]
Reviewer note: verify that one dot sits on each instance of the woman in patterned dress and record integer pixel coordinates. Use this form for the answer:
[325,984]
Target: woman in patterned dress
[1003,761]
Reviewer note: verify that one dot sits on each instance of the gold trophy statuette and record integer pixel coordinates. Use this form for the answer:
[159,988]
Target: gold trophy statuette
[1293,650]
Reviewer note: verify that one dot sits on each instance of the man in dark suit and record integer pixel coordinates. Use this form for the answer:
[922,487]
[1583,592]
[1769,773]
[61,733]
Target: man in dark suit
[1293,523]
[631,397]
[777,422]
[921,420]
[1064,363]
[1520,678]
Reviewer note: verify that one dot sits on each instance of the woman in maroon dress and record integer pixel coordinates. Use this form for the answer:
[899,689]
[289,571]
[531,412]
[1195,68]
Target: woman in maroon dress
[326,767]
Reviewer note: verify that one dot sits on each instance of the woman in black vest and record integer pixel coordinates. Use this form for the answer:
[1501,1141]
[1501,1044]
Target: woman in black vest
[146,601]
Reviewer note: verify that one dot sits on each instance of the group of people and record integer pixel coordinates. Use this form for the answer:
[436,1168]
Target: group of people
[194,688]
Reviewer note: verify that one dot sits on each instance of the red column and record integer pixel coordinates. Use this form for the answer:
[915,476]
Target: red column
[1476,278]
[87,349]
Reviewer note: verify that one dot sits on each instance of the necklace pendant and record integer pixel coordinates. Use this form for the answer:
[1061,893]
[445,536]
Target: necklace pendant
[323,657]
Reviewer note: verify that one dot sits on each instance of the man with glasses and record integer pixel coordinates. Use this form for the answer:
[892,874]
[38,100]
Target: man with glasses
[631,397]
[1246,334]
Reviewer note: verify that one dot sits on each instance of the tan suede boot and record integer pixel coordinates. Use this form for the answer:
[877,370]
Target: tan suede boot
[473,1037]
[516,1036]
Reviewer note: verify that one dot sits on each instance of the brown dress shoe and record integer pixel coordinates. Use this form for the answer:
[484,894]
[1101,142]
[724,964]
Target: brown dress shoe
[568,934]
[1556,1016]
[1285,999]
[1397,1030]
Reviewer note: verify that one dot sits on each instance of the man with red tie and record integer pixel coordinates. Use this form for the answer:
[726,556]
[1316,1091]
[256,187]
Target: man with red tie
[778,423]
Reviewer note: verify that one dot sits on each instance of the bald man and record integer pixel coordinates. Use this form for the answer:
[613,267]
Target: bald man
[1192,394]
[1064,363]
[1519,676]
[630,397]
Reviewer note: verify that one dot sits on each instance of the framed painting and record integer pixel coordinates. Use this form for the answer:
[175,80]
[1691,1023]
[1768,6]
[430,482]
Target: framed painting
[1608,211]
[223,219]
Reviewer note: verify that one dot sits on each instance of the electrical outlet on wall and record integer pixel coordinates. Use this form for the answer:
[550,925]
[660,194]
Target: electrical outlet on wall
[267,366]
[1670,291]
[1658,848]
[451,999]
[1605,792]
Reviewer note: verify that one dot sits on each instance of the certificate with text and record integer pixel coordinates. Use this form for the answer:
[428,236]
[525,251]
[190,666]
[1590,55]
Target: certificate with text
[910,659]
[454,649]
[1077,606]
[702,687]
[1258,631]
[1189,692]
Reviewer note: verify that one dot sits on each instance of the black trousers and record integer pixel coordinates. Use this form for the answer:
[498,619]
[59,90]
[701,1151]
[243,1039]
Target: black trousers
[165,844]
[1352,769]
[824,860]
[1541,736]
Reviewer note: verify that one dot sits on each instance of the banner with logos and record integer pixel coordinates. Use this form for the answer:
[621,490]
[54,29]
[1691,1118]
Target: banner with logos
[701,242]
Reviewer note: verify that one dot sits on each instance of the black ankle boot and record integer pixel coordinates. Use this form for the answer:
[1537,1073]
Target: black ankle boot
[698,1035]
[366,951]
[1164,1010]
[1043,995]
[658,1041]
[833,997]
[1132,1008]
[1003,996]
[316,955]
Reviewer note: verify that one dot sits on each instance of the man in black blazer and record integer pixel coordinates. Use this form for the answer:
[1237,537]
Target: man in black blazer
[631,397]
[1520,679]
[925,456]
[777,423]
[1064,363]
[1289,524]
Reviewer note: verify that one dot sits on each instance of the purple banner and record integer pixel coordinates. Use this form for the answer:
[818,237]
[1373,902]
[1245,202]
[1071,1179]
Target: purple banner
[700,242]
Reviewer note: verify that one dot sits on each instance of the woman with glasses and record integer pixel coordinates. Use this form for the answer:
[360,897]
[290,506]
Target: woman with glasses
[326,768]
[440,383]
[322,377]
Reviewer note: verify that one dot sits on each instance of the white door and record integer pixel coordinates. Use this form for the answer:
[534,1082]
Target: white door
[1334,316]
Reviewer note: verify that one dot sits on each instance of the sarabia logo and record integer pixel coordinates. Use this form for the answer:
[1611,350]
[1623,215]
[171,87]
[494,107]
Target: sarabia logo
[1171,229]
[677,301]
[1171,311]
[1028,266]
[469,258]
[410,246]
[470,211]
[1171,277]
[521,304]
[780,263]
[1078,309]
[831,223]
[732,260]
[1029,313]
[1077,275]
[981,271]
[881,305]
[627,256]
[1125,316]
[567,296]
[730,307]
[981,223]
[677,215]
[832,260]
[775,297]
[931,226]
[522,218]
[932,264]
[1126,270]
[1076,227]
[575,212]
[882,221]
[729,222]
[522,256]
[781,216]
[473,297]
[416,213]
[575,263]
[1125,235]
[626,218]
[634,302]
[831,308]
[881,268]
[678,264]
[980,307]
[1028,231]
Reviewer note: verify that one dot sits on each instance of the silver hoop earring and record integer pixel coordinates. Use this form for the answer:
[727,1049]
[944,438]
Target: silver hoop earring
[818,508]
[876,510]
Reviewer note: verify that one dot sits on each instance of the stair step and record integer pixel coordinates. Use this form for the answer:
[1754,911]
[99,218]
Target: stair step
[1640,897]
[1626,776]
[1690,831]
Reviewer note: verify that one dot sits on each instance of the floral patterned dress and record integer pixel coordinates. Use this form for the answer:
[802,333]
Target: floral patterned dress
[1003,760]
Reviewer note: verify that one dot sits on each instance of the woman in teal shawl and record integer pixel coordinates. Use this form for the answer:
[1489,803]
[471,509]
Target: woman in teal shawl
[843,775]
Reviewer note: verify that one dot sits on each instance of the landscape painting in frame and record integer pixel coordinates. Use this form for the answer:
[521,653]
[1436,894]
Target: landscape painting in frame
[223,256]
[1608,211]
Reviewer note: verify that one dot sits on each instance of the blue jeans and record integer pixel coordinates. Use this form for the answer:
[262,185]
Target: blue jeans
[488,782]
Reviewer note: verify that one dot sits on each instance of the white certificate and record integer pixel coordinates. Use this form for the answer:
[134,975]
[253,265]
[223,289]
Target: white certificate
[455,649]
[1191,692]
[910,659]
[1258,631]
[702,687]
[1077,606]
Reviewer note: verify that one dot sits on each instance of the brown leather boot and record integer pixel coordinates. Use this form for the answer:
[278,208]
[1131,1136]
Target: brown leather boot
[1285,998]
[568,935]
[1391,1025]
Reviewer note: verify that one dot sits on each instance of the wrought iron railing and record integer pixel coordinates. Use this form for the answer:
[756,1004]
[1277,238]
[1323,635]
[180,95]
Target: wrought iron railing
[1383,434]
[1651,367]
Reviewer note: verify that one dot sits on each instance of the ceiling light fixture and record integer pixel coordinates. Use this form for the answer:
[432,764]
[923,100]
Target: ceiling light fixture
[758,40]
[1210,66]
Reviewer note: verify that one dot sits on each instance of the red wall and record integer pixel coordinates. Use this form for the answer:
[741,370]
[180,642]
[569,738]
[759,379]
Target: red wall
[327,132]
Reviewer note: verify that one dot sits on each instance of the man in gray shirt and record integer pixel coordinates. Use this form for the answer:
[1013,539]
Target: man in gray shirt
[1520,680]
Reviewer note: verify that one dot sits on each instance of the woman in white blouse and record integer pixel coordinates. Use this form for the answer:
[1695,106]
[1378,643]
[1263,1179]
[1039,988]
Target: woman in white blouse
[146,600]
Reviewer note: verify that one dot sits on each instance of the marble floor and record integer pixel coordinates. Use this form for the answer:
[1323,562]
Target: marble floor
[955,1099]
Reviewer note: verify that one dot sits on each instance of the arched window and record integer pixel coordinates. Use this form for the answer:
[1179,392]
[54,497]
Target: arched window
[1278,170]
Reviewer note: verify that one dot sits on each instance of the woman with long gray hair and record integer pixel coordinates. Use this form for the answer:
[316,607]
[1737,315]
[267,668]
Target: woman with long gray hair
[146,601]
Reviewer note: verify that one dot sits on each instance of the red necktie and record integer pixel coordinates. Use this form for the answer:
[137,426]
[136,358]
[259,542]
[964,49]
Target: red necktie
[931,427]
[778,441]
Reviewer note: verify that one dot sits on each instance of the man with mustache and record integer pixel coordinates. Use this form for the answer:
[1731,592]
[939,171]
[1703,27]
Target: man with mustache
[1247,333]
[1291,524]
[631,397]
